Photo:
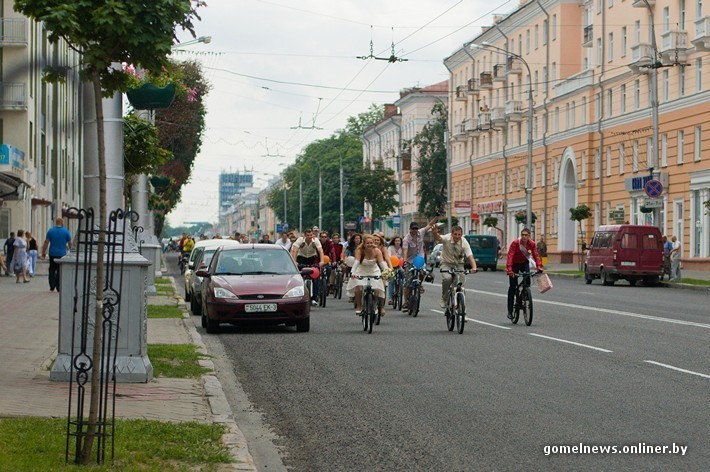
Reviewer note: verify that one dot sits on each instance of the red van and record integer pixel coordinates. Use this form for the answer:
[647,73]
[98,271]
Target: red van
[631,252]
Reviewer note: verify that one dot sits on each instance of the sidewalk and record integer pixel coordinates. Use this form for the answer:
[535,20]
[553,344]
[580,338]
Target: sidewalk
[28,344]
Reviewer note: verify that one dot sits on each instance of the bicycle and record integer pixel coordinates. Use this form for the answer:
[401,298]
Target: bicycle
[397,284]
[338,282]
[415,290]
[323,285]
[308,280]
[370,314]
[456,300]
[523,298]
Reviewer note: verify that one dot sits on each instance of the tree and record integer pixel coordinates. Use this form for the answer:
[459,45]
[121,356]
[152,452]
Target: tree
[579,214]
[431,171]
[142,151]
[356,125]
[491,222]
[120,31]
[377,187]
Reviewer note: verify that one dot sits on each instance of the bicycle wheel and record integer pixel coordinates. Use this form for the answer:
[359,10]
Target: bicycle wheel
[395,288]
[450,314]
[322,291]
[338,287]
[399,293]
[516,306]
[370,314]
[414,302]
[460,312]
[527,306]
[365,310]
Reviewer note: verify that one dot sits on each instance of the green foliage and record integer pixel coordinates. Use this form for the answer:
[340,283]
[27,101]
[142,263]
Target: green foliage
[707,206]
[142,151]
[490,221]
[522,217]
[118,31]
[431,171]
[356,125]
[580,213]
[378,187]
[31,444]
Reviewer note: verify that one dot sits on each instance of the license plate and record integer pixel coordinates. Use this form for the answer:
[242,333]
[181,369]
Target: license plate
[628,263]
[260,307]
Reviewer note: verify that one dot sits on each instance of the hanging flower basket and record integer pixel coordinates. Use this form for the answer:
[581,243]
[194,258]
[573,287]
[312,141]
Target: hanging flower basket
[151,97]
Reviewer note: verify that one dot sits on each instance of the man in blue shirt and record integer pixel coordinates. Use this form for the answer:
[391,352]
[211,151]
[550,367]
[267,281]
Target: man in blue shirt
[57,240]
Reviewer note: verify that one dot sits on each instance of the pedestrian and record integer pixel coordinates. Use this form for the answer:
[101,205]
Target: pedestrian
[57,240]
[7,251]
[19,257]
[32,251]
[284,241]
[675,260]
[266,239]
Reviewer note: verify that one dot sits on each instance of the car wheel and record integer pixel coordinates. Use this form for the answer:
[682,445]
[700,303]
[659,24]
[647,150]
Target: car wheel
[212,325]
[304,325]
[195,307]
[606,279]
[587,277]
[485,269]
[187,295]
[494,268]
[632,282]
[203,321]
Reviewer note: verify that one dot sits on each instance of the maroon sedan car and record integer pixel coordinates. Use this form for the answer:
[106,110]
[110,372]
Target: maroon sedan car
[254,282]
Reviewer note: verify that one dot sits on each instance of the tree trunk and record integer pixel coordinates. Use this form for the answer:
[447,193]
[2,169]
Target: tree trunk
[98,317]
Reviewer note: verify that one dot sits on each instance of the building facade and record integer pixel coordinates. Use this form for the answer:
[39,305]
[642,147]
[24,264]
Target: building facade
[41,168]
[595,119]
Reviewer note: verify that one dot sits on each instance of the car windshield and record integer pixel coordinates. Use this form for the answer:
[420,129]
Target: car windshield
[255,262]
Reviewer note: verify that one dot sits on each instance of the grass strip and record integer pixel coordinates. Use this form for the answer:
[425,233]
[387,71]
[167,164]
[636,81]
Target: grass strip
[32,444]
[695,282]
[162,280]
[165,289]
[164,311]
[176,361]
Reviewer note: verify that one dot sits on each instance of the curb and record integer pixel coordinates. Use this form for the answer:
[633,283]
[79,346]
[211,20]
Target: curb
[682,286]
[233,439]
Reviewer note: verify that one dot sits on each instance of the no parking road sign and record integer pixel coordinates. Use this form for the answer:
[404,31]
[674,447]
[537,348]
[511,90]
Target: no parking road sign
[653,188]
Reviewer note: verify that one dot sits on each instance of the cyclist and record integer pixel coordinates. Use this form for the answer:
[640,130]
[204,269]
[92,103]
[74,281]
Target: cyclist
[521,253]
[395,249]
[336,255]
[413,246]
[368,261]
[454,249]
[306,251]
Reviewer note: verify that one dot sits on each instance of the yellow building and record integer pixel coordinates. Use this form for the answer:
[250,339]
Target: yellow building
[591,66]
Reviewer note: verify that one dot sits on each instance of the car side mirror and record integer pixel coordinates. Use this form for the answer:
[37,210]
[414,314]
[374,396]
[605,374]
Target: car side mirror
[202,273]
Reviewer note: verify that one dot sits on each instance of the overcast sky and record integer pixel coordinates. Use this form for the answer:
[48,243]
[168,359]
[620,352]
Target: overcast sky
[275,65]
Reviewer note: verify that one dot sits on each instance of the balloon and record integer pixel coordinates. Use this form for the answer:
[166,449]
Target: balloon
[418,262]
[401,262]
[350,261]
[326,259]
[394,260]
[316,273]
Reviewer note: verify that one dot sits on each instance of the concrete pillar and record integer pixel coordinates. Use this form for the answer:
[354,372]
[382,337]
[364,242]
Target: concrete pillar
[146,243]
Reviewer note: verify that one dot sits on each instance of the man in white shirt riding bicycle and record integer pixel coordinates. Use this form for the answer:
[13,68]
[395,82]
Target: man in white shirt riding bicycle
[413,246]
[454,250]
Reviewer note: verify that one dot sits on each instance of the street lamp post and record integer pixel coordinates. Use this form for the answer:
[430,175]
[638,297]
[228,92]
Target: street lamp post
[342,215]
[528,178]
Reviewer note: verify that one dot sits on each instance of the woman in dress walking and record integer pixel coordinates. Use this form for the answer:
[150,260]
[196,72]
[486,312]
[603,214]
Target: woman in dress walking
[19,257]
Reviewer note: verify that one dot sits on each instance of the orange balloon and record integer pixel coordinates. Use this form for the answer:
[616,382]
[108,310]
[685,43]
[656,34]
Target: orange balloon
[394,260]
[326,259]
[401,262]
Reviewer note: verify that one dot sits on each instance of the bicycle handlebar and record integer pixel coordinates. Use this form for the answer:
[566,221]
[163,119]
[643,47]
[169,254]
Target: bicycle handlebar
[376,277]
[531,274]
[458,271]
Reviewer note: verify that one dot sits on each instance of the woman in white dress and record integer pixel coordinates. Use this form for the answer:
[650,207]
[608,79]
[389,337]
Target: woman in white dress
[368,261]
[19,257]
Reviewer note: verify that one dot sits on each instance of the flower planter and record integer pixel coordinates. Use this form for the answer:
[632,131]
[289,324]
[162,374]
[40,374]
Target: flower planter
[151,97]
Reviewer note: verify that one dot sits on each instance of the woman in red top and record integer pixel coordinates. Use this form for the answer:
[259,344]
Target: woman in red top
[519,254]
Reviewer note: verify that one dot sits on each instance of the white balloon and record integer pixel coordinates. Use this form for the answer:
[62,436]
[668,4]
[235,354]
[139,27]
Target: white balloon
[350,261]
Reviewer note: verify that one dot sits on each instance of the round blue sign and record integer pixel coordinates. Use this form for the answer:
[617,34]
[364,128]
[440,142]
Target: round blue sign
[653,188]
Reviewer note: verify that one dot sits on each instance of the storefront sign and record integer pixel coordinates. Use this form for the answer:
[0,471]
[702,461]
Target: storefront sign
[462,207]
[486,208]
[637,184]
[617,216]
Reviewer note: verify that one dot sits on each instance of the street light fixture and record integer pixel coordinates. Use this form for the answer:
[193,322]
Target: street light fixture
[528,179]
[201,39]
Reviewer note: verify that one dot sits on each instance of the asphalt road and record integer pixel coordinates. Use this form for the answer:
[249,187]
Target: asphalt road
[600,366]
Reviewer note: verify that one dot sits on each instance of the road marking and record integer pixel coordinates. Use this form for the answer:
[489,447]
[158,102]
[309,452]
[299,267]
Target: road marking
[488,324]
[679,369]
[602,310]
[570,342]
[587,293]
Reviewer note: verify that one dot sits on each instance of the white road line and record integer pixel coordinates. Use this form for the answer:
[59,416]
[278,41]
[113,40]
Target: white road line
[679,369]
[601,310]
[570,342]
[488,324]
[587,293]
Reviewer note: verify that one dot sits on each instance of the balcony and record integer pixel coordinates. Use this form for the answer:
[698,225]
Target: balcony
[460,130]
[13,32]
[472,127]
[588,38]
[498,117]
[514,110]
[701,40]
[513,65]
[642,4]
[486,80]
[460,93]
[499,72]
[13,96]
[484,121]
[574,82]
[472,87]
[642,56]
[674,46]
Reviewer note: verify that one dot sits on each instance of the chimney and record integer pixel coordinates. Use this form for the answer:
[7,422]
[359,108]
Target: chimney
[390,110]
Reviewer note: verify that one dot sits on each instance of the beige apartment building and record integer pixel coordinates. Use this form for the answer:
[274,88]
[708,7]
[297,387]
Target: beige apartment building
[40,130]
[385,141]
[590,65]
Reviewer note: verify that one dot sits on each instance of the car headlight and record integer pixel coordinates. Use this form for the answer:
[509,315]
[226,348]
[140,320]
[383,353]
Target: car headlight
[295,292]
[224,294]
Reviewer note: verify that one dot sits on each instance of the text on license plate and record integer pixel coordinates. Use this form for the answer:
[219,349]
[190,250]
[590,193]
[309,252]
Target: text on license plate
[259,307]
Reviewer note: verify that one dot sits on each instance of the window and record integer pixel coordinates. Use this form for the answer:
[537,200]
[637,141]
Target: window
[535,39]
[543,178]
[608,161]
[666,20]
[597,106]
[681,145]
[664,150]
[609,3]
[544,32]
[623,41]
[554,27]
[649,152]
[699,75]
[527,42]
[556,128]
[610,50]
[573,119]
[681,81]
[537,86]
[583,166]
[622,99]
[637,32]
[584,110]
[635,166]
[681,14]
[637,94]
[610,102]
[597,164]
[697,143]
[698,9]
[599,52]
[650,241]
[599,6]
[666,84]
[553,72]
[629,241]
[622,151]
